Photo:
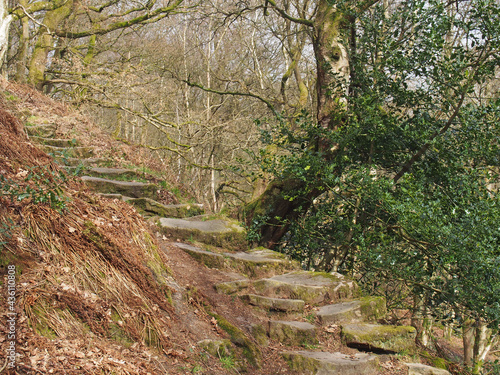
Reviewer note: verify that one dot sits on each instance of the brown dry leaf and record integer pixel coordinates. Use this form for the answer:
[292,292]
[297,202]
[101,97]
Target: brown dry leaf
[71,230]
[332,328]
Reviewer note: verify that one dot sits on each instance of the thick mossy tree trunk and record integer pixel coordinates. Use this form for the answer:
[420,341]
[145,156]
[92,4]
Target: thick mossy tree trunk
[271,213]
[271,210]
[45,43]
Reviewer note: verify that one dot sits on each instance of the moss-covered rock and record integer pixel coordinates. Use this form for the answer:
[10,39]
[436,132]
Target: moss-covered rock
[219,232]
[262,262]
[316,363]
[259,333]
[57,142]
[212,260]
[367,309]
[150,206]
[379,337]
[292,333]
[274,304]
[129,189]
[250,350]
[231,287]
[217,348]
[311,287]
[420,369]
[69,152]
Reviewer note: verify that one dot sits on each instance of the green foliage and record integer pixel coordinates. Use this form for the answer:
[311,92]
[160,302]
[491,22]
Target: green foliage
[403,197]
[40,185]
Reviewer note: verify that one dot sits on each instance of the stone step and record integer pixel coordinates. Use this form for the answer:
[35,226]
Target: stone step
[376,337]
[367,309]
[57,142]
[129,189]
[420,369]
[69,152]
[253,263]
[108,173]
[274,304]
[43,130]
[86,162]
[152,207]
[232,287]
[322,363]
[311,287]
[217,232]
[292,333]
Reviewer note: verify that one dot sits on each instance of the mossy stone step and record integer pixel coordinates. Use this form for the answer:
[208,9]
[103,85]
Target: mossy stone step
[57,142]
[254,263]
[322,363]
[311,287]
[292,333]
[274,304]
[85,162]
[376,337]
[109,173]
[367,309]
[129,189]
[218,232]
[151,207]
[420,369]
[46,131]
[232,287]
[69,152]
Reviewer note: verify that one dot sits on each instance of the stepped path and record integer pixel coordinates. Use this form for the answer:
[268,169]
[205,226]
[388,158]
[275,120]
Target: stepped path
[305,313]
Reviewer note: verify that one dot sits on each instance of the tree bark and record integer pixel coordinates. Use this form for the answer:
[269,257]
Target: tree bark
[45,43]
[5,20]
[271,214]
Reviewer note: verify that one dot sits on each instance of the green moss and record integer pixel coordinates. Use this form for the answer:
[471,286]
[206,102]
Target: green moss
[440,363]
[119,335]
[250,351]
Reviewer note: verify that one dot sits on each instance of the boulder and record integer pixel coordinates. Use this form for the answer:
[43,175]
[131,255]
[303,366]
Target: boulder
[325,363]
[376,337]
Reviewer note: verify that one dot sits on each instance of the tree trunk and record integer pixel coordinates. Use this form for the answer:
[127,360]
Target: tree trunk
[45,43]
[332,63]
[271,214]
[468,338]
[5,20]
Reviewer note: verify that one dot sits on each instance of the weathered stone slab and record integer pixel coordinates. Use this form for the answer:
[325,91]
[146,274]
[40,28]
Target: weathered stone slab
[223,233]
[261,262]
[311,287]
[57,142]
[292,333]
[149,206]
[325,363]
[231,287]
[86,162]
[46,131]
[104,172]
[368,309]
[130,189]
[210,259]
[277,304]
[420,369]
[378,337]
[69,152]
